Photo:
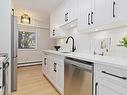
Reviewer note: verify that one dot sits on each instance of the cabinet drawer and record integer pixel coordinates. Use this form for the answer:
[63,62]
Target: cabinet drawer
[115,75]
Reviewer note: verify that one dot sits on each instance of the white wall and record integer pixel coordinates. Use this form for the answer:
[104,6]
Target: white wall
[43,42]
[36,20]
[43,37]
[5,29]
[84,41]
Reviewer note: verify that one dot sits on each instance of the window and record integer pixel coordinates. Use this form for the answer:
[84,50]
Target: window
[26,40]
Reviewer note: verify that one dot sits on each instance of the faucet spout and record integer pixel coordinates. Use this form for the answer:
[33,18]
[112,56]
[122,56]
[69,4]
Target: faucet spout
[73,45]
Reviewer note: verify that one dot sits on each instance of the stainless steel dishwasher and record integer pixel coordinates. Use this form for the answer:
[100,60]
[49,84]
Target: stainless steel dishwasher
[78,77]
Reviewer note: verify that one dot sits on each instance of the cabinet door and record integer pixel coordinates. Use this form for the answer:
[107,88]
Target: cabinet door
[48,67]
[110,80]
[60,75]
[52,70]
[103,12]
[84,17]
[52,24]
[107,87]
[44,66]
[73,8]
[66,11]
[69,11]
[56,20]
[120,12]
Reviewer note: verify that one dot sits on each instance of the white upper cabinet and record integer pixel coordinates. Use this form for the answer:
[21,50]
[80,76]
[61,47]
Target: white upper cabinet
[63,14]
[85,13]
[55,22]
[110,14]
[97,15]
[120,12]
[92,15]
[68,11]
[71,11]
[103,12]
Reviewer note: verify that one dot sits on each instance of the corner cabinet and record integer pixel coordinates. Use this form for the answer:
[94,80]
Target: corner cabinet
[65,13]
[110,80]
[55,22]
[53,69]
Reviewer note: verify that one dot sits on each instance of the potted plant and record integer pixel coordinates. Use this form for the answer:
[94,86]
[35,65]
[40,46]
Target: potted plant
[123,42]
[122,50]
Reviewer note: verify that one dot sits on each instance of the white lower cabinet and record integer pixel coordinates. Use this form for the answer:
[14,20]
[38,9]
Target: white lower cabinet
[110,80]
[53,69]
[60,75]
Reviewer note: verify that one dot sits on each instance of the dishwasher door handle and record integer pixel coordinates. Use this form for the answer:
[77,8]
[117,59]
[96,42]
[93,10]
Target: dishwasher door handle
[79,64]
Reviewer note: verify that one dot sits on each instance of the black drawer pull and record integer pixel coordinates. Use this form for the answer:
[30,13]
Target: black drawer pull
[55,67]
[44,61]
[66,17]
[124,78]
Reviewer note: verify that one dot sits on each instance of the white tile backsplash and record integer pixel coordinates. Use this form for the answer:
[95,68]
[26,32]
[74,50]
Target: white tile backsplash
[84,42]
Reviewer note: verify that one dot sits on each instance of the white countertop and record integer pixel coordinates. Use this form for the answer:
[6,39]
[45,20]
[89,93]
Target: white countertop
[120,63]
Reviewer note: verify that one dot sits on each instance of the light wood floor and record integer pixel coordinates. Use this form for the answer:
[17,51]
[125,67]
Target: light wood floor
[32,82]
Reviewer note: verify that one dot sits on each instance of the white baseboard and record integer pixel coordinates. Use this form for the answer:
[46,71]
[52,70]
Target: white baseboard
[29,63]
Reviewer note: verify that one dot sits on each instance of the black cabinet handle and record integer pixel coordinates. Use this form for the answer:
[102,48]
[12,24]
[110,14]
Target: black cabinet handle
[45,61]
[53,32]
[66,17]
[89,19]
[114,3]
[96,88]
[55,67]
[124,78]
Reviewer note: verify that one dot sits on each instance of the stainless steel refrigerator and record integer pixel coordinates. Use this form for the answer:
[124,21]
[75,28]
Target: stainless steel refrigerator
[13,53]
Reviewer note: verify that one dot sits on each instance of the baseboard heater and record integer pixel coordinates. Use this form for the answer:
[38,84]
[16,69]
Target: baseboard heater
[29,63]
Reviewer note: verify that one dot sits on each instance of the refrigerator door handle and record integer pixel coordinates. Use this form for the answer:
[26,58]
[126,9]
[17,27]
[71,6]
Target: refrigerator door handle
[15,56]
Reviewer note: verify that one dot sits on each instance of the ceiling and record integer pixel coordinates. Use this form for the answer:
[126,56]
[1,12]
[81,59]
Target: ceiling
[39,7]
